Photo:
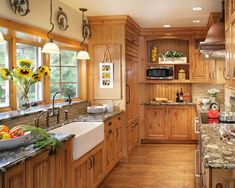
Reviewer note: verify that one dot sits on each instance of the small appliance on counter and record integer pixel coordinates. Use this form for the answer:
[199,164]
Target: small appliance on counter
[213,112]
[204,103]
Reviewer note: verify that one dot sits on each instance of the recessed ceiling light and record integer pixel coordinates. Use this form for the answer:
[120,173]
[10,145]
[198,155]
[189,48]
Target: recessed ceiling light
[197,8]
[196,21]
[166,25]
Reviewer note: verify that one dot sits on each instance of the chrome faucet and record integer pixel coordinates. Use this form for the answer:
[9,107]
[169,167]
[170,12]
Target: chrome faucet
[53,101]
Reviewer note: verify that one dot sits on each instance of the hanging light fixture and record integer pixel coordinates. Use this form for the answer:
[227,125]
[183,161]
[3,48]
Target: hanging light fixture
[83,54]
[50,47]
[2,40]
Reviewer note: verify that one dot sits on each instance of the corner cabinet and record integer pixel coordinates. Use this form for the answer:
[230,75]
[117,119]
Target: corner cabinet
[169,123]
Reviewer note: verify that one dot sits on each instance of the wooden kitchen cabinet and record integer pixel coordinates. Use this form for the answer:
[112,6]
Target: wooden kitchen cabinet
[40,171]
[110,145]
[113,141]
[89,170]
[98,167]
[132,136]
[81,172]
[156,123]
[179,118]
[170,123]
[15,177]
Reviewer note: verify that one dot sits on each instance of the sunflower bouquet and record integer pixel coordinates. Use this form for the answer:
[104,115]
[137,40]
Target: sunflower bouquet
[24,76]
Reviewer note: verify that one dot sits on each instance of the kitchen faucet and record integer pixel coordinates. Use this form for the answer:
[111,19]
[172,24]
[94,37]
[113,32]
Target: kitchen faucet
[52,110]
[53,101]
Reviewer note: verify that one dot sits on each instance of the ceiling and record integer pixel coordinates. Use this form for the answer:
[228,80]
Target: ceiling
[152,13]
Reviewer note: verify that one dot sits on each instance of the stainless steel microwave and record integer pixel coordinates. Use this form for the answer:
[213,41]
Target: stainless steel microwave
[160,73]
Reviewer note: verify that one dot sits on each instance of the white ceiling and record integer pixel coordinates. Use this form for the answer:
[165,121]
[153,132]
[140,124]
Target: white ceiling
[152,13]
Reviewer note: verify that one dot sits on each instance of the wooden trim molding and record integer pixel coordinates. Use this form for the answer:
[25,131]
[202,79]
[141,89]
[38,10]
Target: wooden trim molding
[12,25]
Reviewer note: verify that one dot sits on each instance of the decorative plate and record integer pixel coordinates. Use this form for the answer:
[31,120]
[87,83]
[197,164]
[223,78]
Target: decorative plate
[15,142]
[62,20]
[20,7]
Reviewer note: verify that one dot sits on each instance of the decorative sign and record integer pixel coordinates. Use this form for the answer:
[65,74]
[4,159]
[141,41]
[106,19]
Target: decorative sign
[20,7]
[62,20]
[106,75]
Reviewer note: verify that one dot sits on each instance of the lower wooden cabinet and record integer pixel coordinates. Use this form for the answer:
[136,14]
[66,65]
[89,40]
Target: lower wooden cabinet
[170,123]
[89,170]
[132,133]
[15,177]
[113,141]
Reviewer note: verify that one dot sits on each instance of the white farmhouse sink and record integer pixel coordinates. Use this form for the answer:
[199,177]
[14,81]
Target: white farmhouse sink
[87,136]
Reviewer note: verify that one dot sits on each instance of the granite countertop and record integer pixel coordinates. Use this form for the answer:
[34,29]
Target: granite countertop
[217,152]
[169,103]
[11,157]
[35,109]
[97,117]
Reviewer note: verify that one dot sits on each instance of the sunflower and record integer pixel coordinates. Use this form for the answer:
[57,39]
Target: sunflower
[23,72]
[4,73]
[43,70]
[36,77]
[25,63]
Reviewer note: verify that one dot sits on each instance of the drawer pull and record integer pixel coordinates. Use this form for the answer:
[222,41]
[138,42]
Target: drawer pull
[110,123]
[119,118]
[110,131]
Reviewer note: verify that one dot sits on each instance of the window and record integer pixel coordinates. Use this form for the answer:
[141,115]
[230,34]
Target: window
[4,85]
[64,73]
[33,53]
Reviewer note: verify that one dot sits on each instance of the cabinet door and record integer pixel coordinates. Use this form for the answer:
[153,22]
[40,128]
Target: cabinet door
[81,172]
[98,160]
[15,177]
[129,134]
[199,67]
[157,123]
[118,125]
[110,145]
[135,132]
[63,166]
[40,171]
[179,123]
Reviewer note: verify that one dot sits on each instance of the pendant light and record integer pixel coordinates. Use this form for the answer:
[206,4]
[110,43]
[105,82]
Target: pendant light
[50,47]
[83,54]
[2,40]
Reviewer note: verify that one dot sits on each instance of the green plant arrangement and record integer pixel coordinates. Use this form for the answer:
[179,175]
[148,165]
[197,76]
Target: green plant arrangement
[171,53]
[24,76]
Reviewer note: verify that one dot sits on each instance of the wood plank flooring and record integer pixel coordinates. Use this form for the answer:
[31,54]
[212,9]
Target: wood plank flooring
[155,166]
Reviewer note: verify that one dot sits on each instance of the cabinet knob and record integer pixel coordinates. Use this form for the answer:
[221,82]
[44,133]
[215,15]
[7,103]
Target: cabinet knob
[110,131]
[110,123]
[119,118]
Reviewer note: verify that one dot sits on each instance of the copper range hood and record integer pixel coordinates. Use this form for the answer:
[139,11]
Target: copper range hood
[214,45]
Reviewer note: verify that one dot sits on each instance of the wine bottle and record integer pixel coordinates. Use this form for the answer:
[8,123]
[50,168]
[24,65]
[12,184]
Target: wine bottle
[181,95]
[177,97]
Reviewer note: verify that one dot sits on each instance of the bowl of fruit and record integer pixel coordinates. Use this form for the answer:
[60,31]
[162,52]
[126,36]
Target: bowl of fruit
[10,138]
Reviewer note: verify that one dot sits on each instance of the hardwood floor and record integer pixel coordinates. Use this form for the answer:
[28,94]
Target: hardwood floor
[155,166]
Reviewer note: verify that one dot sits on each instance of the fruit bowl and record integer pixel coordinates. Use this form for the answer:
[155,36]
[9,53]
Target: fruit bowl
[15,142]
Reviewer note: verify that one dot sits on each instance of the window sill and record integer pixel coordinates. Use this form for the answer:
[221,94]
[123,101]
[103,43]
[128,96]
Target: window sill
[33,110]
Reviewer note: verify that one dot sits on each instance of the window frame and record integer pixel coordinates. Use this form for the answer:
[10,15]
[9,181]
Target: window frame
[10,30]
[39,57]
[60,66]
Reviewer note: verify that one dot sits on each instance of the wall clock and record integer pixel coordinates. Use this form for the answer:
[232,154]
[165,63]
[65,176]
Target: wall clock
[20,7]
[62,20]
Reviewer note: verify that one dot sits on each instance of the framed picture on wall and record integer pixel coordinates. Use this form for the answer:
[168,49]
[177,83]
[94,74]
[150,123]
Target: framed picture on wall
[106,75]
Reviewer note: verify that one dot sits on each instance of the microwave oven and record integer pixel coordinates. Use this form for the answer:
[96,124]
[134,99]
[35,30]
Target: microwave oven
[160,73]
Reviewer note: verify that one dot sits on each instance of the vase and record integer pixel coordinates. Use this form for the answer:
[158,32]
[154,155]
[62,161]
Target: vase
[23,101]
[212,99]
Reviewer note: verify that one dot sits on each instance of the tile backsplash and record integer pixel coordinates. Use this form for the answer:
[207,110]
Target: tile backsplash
[228,92]
[199,91]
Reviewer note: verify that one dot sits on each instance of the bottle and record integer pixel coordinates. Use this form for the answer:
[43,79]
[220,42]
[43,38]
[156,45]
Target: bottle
[177,97]
[181,95]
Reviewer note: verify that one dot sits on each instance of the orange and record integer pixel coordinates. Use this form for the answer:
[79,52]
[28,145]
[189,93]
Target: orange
[4,128]
[4,136]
